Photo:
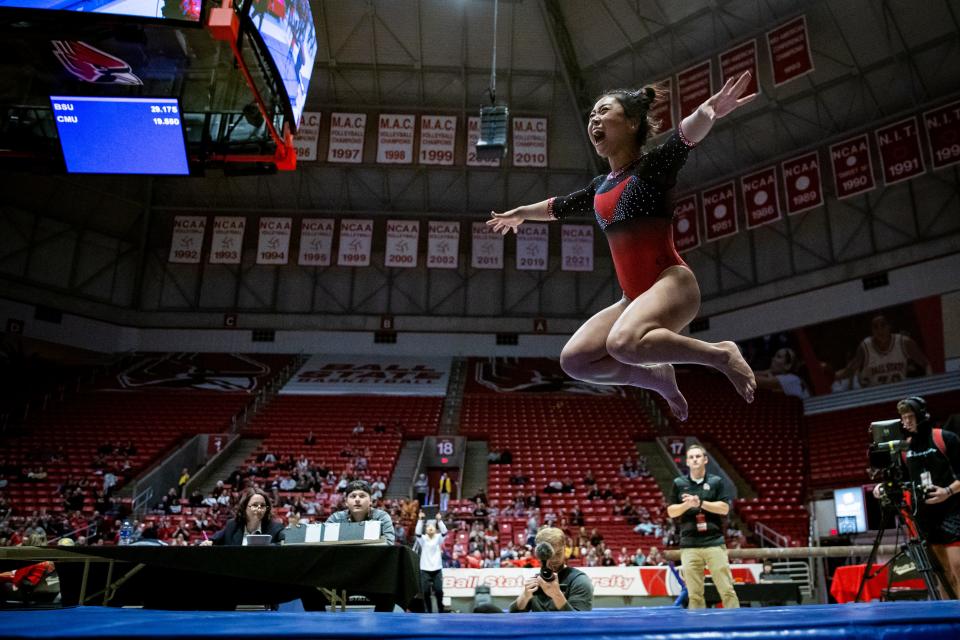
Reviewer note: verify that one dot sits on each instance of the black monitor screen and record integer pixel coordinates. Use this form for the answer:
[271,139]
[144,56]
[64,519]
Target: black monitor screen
[188,10]
[121,135]
[289,35]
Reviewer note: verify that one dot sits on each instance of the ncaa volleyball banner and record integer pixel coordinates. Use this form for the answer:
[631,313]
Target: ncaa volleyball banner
[273,244]
[403,236]
[607,581]
[370,375]
[443,245]
[186,243]
[226,245]
[356,236]
[487,247]
[473,134]
[316,242]
[346,137]
[576,247]
[532,247]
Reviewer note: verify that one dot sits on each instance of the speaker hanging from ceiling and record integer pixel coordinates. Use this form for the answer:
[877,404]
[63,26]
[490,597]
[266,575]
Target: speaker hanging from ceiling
[492,144]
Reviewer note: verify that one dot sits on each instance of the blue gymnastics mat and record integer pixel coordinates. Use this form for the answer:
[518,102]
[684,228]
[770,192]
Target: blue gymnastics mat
[863,621]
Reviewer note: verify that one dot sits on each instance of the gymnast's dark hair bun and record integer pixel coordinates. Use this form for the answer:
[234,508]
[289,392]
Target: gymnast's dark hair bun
[636,105]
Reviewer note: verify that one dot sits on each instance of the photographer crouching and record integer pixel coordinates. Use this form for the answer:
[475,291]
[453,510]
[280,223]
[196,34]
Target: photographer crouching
[556,587]
[932,459]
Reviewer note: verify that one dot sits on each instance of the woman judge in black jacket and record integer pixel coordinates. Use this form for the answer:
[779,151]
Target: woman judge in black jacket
[253,516]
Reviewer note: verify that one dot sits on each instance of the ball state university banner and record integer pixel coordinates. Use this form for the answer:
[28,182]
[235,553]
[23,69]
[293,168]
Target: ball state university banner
[370,375]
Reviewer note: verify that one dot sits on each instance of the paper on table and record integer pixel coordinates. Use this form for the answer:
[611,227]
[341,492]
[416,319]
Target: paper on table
[314,532]
[371,530]
[331,532]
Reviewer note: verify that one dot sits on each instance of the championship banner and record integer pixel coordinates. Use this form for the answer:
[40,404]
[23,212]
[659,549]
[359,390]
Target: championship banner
[576,247]
[438,138]
[273,244]
[899,147]
[186,241]
[395,139]
[347,131]
[533,248]
[852,166]
[802,185]
[355,240]
[719,211]
[607,581]
[316,242]
[529,142]
[370,375]
[789,49]
[761,203]
[662,109]
[943,134]
[308,133]
[487,250]
[694,86]
[403,236]
[443,245]
[226,245]
[473,134]
[686,230]
[735,61]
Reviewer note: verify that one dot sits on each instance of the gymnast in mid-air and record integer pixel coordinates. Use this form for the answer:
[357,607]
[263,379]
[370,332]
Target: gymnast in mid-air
[637,340]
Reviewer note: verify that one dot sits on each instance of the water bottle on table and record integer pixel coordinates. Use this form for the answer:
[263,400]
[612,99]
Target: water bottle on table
[126,533]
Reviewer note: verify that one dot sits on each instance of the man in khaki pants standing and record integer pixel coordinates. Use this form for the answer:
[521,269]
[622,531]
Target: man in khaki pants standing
[700,502]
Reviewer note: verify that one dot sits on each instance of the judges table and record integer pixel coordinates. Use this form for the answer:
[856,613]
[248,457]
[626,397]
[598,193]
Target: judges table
[221,577]
[846,581]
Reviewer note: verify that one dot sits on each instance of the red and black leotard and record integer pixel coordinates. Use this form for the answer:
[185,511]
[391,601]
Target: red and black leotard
[634,209]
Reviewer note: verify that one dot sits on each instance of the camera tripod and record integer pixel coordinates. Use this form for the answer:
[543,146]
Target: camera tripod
[915,548]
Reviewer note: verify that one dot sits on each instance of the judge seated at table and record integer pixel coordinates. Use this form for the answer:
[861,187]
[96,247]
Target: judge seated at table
[253,517]
[360,509]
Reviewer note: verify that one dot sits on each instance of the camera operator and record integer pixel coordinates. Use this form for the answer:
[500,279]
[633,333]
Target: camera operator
[933,463]
[568,589]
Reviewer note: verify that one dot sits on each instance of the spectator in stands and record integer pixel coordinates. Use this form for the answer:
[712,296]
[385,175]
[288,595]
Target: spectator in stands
[588,479]
[430,541]
[554,486]
[420,487]
[358,429]
[378,486]
[594,493]
[253,516]
[444,489]
[311,439]
[570,590]
[595,537]
[700,501]
[655,558]
[490,560]
[882,357]
[629,469]
[182,482]
[638,559]
[782,375]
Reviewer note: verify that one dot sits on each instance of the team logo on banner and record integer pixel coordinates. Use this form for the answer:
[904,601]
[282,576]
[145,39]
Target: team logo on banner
[760,202]
[346,137]
[943,133]
[899,146]
[226,245]
[487,247]
[186,242]
[438,137]
[576,247]
[529,142]
[308,133]
[395,139]
[473,134]
[735,61]
[316,242]
[532,247]
[89,64]
[789,51]
[355,240]
[852,166]
[694,87]
[686,233]
[719,211]
[443,245]
[273,245]
[801,182]
[402,239]
[662,109]
[204,372]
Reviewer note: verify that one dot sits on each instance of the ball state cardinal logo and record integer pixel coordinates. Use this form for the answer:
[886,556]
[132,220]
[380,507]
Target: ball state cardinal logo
[89,64]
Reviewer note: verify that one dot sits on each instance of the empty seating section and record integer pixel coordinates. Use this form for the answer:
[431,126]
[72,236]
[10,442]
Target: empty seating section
[838,440]
[552,437]
[387,420]
[153,422]
[762,440]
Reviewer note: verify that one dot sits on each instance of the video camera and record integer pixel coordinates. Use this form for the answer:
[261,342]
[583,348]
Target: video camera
[889,440]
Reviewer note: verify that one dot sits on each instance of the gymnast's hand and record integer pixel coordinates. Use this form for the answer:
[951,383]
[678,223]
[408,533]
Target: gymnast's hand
[504,222]
[728,98]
